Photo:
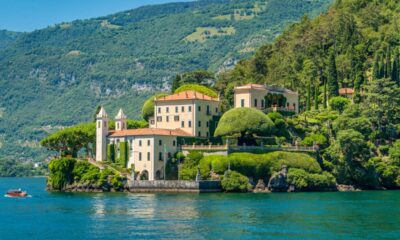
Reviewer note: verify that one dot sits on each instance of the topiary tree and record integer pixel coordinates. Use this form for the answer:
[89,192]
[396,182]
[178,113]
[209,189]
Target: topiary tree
[339,103]
[235,182]
[198,88]
[148,106]
[244,123]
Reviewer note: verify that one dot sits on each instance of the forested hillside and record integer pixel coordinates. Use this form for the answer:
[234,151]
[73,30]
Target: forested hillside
[56,77]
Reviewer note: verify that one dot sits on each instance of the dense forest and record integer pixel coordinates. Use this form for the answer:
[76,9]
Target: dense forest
[55,77]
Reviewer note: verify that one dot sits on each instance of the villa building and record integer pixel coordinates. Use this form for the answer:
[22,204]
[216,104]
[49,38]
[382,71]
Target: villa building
[266,98]
[183,115]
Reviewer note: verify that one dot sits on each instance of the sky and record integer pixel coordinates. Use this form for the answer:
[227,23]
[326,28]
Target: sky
[29,15]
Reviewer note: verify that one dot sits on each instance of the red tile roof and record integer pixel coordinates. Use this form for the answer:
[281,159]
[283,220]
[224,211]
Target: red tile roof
[149,132]
[344,91]
[186,95]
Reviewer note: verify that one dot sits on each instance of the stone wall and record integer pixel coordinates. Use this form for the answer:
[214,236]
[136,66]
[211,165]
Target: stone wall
[175,186]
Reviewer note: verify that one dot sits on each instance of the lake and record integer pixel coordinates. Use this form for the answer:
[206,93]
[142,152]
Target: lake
[353,215]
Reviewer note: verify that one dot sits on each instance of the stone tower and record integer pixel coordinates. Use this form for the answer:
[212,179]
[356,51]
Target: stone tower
[120,121]
[101,135]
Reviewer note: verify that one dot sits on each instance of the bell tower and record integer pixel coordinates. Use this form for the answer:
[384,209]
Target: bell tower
[101,135]
[120,121]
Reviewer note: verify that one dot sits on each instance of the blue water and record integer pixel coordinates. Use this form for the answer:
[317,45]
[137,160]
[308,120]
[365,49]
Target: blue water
[359,215]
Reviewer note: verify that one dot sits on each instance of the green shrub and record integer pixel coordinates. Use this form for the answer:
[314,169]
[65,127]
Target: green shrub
[198,88]
[315,138]
[61,172]
[235,182]
[123,154]
[339,103]
[303,180]
[111,152]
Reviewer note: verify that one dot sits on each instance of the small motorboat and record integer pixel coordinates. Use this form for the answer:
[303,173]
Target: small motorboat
[16,193]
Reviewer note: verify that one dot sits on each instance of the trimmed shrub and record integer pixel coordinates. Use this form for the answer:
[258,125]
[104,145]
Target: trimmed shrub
[61,172]
[198,88]
[339,103]
[235,182]
[315,138]
[303,180]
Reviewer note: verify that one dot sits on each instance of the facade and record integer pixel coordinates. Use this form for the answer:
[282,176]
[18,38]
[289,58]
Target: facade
[266,98]
[193,112]
[184,115]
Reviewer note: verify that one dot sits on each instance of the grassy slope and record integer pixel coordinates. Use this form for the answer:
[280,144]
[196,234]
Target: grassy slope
[56,76]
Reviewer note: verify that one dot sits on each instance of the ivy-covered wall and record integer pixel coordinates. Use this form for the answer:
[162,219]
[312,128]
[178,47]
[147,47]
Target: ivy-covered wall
[111,152]
[123,154]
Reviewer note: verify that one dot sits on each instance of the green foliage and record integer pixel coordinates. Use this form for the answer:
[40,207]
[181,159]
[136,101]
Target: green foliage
[310,182]
[188,169]
[198,88]
[235,182]
[61,172]
[10,168]
[333,82]
[111,152]
[197,77]
[244,123]
[318,139]
[148,106]
[339,103]
[123,154]
[394,153]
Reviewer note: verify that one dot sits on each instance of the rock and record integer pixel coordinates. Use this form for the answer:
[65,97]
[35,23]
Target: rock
[346,188]
[261,187]
[278,183]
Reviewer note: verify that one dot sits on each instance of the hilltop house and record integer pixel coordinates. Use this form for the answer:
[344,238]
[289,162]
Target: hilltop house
[183,115]
[266,98]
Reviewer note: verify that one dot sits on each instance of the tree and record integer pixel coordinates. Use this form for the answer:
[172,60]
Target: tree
[333,84]
[376,69]
[148,106]
[235,182]
[395,68]
[244,123]
[316,93]
[199,76]
[394,153]
[198,88]
[176,83]
[95,113]
[339,103]
[308,75]
[388,63]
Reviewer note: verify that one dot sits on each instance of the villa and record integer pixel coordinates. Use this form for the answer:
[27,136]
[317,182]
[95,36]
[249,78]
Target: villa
[266,98]
[177,119]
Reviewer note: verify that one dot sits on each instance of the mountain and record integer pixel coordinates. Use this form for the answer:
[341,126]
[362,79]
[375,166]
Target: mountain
[7,37]
[56,76]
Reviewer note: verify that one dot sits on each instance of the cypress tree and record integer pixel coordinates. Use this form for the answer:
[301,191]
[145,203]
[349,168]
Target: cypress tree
[325,95]
[176,83]
[333,84]
[395,69]
[316,93]
[308,104]
[376,73]
[382,73]
[388,64]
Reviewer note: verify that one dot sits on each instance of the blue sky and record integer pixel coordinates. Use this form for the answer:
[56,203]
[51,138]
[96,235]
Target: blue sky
[29,15]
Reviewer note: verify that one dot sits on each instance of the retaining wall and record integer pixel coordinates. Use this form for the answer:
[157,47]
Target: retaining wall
[175,186]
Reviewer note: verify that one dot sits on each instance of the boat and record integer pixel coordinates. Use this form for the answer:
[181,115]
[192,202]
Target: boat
[16,193]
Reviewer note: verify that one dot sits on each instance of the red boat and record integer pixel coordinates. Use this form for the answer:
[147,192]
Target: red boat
[16,193]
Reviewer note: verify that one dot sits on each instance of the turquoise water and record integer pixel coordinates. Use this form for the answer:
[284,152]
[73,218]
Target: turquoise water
[361,215]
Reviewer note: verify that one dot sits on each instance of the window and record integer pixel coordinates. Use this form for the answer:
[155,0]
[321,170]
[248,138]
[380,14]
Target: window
[159,110]
[190,109]
[159,142]
[148,142]
[199,123]
[167,118]
[208,109]
[255,102]
[148,156]
[183,109]
[189,123]
[287,104]
[207,134]
[216,110]
[140,143]
[140,156]
[182,124]
[160,157]
[98,124]
[176,109]
[174,143]
[242,102]
[117,125]
[131,145]
[199,108]
[199,134]
[167,109]
[159,119]
[176,118]
[262,103]
[207,124]
[152,122]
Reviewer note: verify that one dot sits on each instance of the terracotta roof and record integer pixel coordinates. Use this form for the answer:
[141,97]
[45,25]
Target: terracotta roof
[149,132]
[344,91]
[186,95]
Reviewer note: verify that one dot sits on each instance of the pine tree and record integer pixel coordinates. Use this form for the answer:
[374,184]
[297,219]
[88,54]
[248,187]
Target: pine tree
[333,84]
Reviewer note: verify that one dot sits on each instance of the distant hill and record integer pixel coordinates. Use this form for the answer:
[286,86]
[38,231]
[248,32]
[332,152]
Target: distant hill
[56,76]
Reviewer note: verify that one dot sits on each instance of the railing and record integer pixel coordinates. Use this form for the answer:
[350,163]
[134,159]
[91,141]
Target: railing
[275,109]
[248,148]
